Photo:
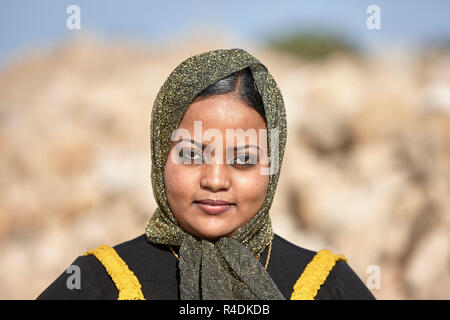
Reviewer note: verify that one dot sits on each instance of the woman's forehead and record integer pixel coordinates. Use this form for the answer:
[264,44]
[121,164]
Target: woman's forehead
[222,112]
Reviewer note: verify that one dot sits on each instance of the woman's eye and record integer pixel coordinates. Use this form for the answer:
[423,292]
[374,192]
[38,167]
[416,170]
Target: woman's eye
[246,159]
[190,155]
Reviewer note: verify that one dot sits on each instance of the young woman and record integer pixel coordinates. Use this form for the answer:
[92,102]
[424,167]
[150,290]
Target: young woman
[218,133]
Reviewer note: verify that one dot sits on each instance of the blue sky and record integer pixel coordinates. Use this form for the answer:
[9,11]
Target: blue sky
[31,23]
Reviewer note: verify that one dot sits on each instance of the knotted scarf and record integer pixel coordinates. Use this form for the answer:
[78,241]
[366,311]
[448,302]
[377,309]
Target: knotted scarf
[225,268]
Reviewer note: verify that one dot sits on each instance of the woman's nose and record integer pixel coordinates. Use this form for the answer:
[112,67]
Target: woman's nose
[215,177]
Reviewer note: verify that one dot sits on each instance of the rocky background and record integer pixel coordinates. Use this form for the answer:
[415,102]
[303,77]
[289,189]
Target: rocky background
[366,171]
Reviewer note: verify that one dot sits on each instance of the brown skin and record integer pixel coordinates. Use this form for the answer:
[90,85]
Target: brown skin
[237,183]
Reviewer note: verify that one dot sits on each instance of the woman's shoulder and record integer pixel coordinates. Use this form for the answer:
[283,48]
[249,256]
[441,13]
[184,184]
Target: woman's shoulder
[143,250]
[285,255]
[150,262]
[146,260]
[288,248]
[84,279]
[289,261]
[286,263]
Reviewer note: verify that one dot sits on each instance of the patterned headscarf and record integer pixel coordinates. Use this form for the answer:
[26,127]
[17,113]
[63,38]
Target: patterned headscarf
[226,268]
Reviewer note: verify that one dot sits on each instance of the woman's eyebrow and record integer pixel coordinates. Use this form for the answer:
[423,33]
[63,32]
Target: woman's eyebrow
[193,142]
[245,147]
[203,146]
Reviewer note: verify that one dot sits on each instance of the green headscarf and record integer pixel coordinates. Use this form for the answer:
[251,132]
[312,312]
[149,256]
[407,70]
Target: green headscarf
[226,268]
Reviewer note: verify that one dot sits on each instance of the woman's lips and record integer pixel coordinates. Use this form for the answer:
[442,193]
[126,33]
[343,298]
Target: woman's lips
[211,206]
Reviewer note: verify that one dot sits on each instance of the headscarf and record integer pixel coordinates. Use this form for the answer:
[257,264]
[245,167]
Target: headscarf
[225,268]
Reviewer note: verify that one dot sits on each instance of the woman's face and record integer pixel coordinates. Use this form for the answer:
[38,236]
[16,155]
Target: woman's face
[227,170]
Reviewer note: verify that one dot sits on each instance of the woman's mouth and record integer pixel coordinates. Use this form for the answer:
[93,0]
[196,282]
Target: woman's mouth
[213,207]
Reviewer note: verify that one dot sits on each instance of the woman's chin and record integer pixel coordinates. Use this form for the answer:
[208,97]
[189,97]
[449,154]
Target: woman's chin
[213,234]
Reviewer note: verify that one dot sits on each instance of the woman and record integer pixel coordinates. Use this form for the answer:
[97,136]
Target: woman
[218,134]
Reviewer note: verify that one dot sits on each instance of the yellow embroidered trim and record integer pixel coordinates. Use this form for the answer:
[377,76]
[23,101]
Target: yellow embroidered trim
[315,274]
[124,279]
[306,287]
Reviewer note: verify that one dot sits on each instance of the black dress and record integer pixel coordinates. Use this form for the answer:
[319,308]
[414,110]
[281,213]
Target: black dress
[157,270]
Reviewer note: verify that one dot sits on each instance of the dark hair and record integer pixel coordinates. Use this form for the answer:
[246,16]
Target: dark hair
[242,84]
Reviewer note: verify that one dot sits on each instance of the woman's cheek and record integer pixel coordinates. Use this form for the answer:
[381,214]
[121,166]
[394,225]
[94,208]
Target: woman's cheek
[179,183]
[251,188]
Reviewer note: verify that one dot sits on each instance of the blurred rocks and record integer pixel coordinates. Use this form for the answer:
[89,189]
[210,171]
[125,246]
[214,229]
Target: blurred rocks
[366,171]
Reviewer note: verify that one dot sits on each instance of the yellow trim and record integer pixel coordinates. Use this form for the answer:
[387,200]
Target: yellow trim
[315,274]
[306,287]
[124,279]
